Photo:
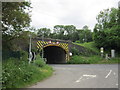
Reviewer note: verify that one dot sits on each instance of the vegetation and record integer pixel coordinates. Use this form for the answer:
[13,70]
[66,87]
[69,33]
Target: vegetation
[78,58]
[15,19]
[18,73]
[107,30]
[67,32]
[84,60]
[89,45]
[92,60]
[16,29]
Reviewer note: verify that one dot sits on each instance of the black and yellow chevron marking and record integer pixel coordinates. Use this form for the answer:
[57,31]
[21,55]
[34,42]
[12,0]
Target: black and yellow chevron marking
[43,44]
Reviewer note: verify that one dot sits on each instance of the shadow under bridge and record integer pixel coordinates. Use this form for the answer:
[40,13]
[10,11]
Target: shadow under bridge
[55,54]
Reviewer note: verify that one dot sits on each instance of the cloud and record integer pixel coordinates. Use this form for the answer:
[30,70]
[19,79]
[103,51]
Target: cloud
[48,13]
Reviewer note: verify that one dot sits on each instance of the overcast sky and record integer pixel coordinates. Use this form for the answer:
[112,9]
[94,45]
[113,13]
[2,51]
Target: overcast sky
[48,13]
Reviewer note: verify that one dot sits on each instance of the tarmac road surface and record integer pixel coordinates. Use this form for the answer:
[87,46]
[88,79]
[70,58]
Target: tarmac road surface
[81,76]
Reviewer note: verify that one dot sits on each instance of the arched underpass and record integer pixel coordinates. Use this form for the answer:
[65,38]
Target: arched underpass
[54,55]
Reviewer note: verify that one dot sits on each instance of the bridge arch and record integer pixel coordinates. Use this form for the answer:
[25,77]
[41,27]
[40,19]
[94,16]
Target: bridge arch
[55,54]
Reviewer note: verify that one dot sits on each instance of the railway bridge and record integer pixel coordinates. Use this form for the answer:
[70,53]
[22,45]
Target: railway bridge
[54,50]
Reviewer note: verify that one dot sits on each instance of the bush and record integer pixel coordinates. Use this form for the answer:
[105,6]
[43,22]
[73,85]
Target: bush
[39,63]
[18,73]
[84,60]
[77,41]
[74,51]
[78,60]
[14,54]
[23,55]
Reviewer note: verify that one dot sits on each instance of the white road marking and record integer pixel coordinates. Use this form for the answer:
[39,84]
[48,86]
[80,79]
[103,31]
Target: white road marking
[108,74]
[79,79]
[89,75]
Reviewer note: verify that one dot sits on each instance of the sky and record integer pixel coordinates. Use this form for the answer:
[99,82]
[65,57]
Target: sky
[48,13]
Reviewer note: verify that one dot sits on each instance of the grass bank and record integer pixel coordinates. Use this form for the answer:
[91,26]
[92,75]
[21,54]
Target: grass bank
[19,74]
[89,45]
[92,60]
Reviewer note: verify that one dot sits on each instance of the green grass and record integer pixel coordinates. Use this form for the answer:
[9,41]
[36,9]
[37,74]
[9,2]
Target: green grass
[84,60]
[92,60]
[89,45]
[110,61]
[20,74]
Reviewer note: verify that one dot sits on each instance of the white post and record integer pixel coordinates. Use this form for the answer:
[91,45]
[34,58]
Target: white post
[30,53]
[102,50]
[112,53]
[42,46]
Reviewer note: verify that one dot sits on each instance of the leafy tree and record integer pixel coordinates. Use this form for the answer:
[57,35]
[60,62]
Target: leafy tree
[107,30]
[58,29]
[69,32]
[87,34]
[70,29]
[15,19]
[43,31]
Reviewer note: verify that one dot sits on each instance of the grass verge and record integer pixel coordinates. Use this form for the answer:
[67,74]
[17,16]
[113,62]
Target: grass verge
[19,74]
[92,60]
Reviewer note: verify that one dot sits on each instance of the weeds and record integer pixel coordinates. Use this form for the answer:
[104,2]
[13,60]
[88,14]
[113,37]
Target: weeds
[18,73]
[92,60]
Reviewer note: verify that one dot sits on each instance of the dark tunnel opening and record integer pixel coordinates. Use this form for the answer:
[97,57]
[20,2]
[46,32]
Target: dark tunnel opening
[54,55]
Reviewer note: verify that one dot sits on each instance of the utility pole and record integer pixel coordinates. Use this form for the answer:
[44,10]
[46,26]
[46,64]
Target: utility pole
[42,45]
[30,53]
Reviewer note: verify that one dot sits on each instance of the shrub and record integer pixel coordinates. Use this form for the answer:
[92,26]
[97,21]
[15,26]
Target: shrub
[78,60]
[18,73]
[77,41]
[74,51]
[14,54]
[23,55]
[39,63]
[84,60]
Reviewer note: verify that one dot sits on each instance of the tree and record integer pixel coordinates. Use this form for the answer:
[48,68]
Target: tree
[107,30]
[44,31]
[15,19]
[87,34]
[70,29]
